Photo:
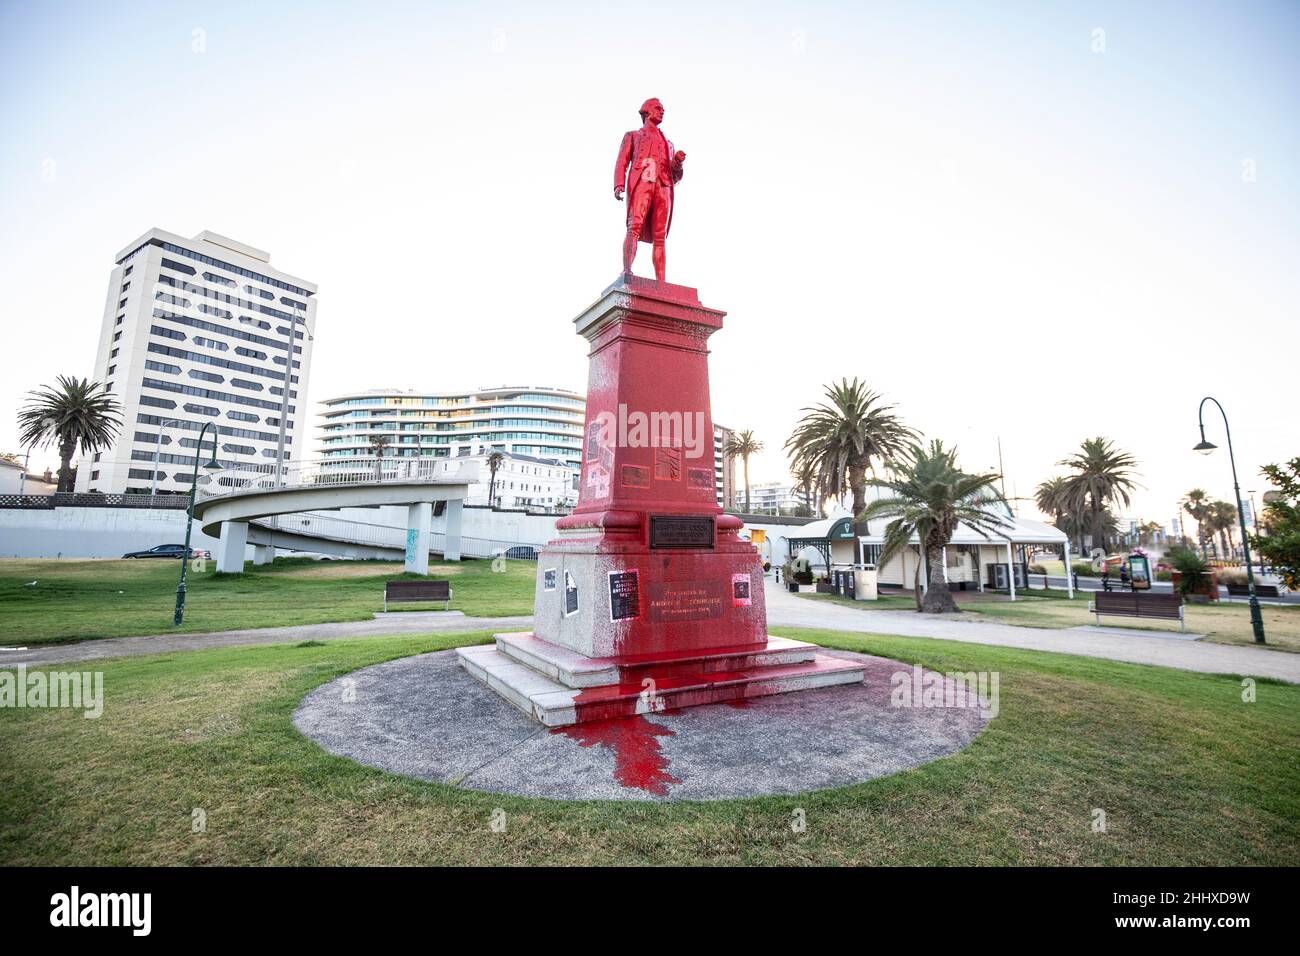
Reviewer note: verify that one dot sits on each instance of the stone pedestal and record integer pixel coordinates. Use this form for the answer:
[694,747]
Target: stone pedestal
[648,584]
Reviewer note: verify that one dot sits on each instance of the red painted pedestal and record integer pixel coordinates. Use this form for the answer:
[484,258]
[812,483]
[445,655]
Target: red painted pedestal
[648,583]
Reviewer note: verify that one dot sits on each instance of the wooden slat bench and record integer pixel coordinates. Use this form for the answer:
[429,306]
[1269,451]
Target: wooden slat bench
[409,592]
[1165,607]
[1261,590]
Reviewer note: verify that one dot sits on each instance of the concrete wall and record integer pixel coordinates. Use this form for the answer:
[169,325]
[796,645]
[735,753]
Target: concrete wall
[507,526]
[93,532]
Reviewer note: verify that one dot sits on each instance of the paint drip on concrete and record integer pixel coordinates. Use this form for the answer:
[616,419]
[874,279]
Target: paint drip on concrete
[639,762]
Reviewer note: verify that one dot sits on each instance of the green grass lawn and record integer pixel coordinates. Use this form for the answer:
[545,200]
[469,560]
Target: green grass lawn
[1221,623]
[1186,772]
[76,600]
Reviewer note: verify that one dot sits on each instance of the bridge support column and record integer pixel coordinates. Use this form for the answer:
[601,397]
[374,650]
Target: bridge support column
[230,549]
[451,550]
[263,554]
[418,519]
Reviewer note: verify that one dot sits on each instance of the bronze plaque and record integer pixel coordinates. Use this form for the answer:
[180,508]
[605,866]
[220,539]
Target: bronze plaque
[681,531]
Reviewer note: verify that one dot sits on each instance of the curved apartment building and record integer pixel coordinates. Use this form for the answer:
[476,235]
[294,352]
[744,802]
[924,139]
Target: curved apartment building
[526,420]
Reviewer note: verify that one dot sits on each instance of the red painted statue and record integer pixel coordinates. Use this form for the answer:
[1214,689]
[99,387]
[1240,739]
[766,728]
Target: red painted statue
[647,170]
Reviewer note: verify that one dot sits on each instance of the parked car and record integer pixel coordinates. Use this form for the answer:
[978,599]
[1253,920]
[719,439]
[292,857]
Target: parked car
[167,551]
[522,552]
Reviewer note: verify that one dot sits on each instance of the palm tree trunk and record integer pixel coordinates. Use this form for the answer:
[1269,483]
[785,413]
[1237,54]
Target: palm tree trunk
[66,451]
[858,485]
[916,580]
[938,599]
[744,461]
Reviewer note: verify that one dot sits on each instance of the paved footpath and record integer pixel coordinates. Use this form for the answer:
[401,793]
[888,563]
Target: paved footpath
[1116,644]
[783,610]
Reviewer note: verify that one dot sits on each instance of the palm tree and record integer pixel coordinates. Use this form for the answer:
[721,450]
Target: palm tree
[1149,532]
[1051,498]
[741,445]
[1103,475]
[494,462]
[378,445]
[805,482]
[927,496]
[1197,504]
[842,437]
[1223,519]
[76,414]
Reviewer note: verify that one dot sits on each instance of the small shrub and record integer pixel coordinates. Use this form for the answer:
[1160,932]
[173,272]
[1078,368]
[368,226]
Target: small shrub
[1037,569]
[1083,568]
[1193,573]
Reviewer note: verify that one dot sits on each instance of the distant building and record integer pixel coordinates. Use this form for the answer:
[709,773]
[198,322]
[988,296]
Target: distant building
[539,421]
[198,330]
[13,483]
[773,497]
[724,469]
[522,481]
[11,476]
[533,421]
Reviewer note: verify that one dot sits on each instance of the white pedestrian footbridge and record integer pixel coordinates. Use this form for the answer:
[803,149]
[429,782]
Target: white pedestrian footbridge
[292,509]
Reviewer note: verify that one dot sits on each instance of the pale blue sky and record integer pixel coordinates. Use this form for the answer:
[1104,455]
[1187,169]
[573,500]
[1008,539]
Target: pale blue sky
[1003,230]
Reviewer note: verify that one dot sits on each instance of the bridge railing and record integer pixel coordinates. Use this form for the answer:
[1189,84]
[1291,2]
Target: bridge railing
[335,471]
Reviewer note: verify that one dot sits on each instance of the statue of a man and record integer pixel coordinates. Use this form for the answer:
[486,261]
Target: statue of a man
[647,169]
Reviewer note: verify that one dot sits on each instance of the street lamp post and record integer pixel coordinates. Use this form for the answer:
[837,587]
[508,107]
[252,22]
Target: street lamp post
[189,516]
[1205,447]
[157,447]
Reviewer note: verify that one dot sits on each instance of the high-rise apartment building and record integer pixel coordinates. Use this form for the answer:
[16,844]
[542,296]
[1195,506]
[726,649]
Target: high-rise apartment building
[199,330]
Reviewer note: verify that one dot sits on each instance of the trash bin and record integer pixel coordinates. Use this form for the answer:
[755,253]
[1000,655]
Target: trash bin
[864,582]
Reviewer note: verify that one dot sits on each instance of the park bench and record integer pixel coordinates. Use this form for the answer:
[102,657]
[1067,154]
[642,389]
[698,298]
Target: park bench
[1165,607]
[1261,590]
[408,592]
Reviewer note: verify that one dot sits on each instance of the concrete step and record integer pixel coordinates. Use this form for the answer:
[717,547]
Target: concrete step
[556,705]
[535,694]
[575,670]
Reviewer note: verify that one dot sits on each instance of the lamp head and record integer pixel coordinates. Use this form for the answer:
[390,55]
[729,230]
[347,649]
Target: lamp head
[1203,446]
[213,465]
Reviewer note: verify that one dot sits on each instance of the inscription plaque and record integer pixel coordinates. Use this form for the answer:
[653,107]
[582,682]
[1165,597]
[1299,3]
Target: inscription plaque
[681,531]
[685,600]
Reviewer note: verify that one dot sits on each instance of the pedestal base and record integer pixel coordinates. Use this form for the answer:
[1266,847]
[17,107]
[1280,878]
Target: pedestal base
[648,599]
[558,687]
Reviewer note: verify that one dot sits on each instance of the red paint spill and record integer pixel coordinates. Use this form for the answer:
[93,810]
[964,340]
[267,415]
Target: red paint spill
[638,761]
